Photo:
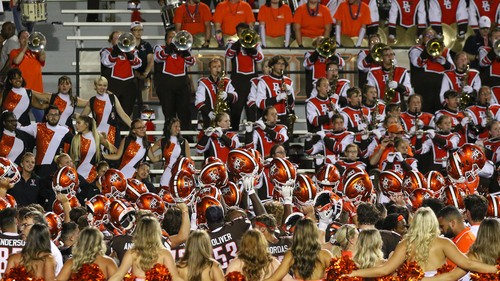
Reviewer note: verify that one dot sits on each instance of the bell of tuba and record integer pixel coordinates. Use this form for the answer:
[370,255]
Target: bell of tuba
[36,42]
[183,40]
[496,48]
[434,47]
[126,42]
[376,52]
[326,47]
[248,38]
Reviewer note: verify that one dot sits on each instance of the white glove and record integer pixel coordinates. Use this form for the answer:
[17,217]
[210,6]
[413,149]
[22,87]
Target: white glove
[209,131]
[377,133]
[361,127]
[465,121]
[287,193]
[365,135]
[281,97]
[288,88]
[218,132]
[431,133]
[325,218]
[249,127]
[467,89]
[248,184]
[321,134]
[393,84]
[260,124]
[319,160]
[399,156]
[479,142]
[441,60]
[223,95]
[211,115]
[419,134]
[390,157]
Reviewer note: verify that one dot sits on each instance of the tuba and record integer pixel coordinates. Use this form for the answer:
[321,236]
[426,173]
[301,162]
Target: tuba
[36,42]
[126,42]
[326,47]
[248,38]
[220,104]
[390,93]
[434,47]
[376,52]
[183,40]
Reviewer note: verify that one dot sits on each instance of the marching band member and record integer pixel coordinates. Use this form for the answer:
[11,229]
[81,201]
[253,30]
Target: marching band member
[399,160]
[350,159]
[356,117]
[386,145]
[366,61]
[459,121]
[409,15]
[374,105]
[492,144]
[491,61]
[482,114]
[389,77]
[253,110]
[218,141]
[320,109]
[266,133]
[414,119]
[461,79]
[449,12]
[338,85]
[478,8]
[211,89]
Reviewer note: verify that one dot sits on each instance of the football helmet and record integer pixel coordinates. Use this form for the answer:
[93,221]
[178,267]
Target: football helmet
[214,174]
[9,170]
[114,184]
[358,188]
[291,221]
[231,194]
[413,180]
[453,167]
[121,215]
[152,202]
[493,205]
[11,200]
[210,191]
[65,180]
[390,182]
[258,158]
[166,196]
[454,196]
[212,159]
[4,204]
[435,182]
[351,171]
[241,162]
[328,201]
[328,177]
[97,210]
[134,189]
[55,225]
[57,206]
[418,195]
[281,172]
[304,191]
[182,187]
[201,206]
[472,160]
[184,163]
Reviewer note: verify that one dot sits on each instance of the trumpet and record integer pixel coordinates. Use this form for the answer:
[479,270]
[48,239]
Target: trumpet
[126,42]
[434,47]
[326,47]
[36,42]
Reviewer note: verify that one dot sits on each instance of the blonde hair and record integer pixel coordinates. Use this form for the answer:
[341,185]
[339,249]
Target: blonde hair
[90,244]
[487,244]
[198,254]
[368,251]
[76,141]
[343,236]
[254,253]
[305,247]
[423,230]
[147,241]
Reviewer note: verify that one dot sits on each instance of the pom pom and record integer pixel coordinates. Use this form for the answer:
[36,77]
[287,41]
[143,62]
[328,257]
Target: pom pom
[159,272]
[19,273]
[234,276]
[129,277]
[339,267]
[88,272]
[410,271]
[445,268]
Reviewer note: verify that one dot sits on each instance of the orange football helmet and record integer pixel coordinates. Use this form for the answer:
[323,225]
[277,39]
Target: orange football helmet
[493,205]
[241,162]
[210,191]
[4,204]
[358,188]
[454,168]
[97,210]
[472,160]
[182,187]
[436,182]
[418,195]
[55,225]
[134,189]
[258,158]
[328,201]
[9,170]
[121,215]
[152,202]
[304,191]
[454,196]
[212,159]
[114,184]
[281,172]
[57,207]
[390,182]
[167,197]
[328,177]
[184,163]
[65,180]
[10,200]
[413,180]
[351,171]
[231,194]
[201,206]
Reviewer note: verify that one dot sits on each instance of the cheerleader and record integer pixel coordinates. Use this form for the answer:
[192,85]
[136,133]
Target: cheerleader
[13,142]
[86,147]
[218,141]
[172,146]
[66,101]
[18,99]
[106,109]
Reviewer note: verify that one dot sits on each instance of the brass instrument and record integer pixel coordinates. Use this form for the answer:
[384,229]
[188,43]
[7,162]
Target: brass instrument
[220,104]
[376,52]
[326,47]
[465,99]
[36,42]
[496,48]
[434,47]
[248,38]
[373,122]
[390,93]
[126,42]
[183,40]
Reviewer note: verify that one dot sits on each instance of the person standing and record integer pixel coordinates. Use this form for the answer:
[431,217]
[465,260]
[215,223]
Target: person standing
[275,21]
[227,17]
[195,17]
[311,20]
[26,191]
[10,42]
[352,18]
[145,54]
[10,240]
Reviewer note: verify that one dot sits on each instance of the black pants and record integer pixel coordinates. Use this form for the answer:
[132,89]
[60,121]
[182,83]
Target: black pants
[125,91]
[242,85]
[174,94]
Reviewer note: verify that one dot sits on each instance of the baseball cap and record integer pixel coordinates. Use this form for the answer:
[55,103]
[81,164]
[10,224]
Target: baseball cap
[135,24]
[484,22]
[395,128]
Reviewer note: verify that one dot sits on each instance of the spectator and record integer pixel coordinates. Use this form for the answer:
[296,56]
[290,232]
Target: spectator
[352,18]
[146,55]
[477,40]
[27,190]
[311,20]
[195,17]
[452,226]
[10,42]
[489,60]
[275,19]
